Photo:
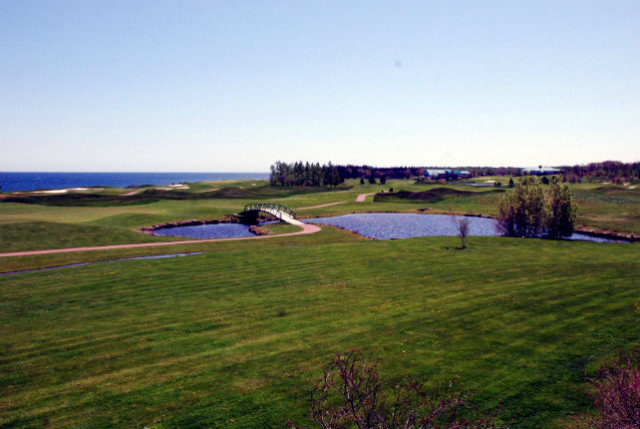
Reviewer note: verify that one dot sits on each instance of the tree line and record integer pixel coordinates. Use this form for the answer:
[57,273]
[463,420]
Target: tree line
[615,171]
[404,172]
[330,175]
[298,174]
[313,174]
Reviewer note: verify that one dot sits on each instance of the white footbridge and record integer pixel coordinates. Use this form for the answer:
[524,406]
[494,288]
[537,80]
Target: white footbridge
[285,214]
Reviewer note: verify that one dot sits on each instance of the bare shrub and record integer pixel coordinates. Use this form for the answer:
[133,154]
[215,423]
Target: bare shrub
[462,225]
[617,397]
[350,394]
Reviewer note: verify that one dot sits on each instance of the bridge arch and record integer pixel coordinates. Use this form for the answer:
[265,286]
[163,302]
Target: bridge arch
[283,213]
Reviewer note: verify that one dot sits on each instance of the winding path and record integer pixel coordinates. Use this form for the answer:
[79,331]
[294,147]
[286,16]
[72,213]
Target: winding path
[362,197]
[321,205]
[306,229]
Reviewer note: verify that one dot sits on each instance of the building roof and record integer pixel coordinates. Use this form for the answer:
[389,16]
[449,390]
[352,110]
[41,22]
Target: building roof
[541,170]
[436,172]
[444,172]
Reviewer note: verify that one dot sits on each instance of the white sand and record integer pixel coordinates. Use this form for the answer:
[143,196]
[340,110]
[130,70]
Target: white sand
[173,187]
[52,191]
[64,191]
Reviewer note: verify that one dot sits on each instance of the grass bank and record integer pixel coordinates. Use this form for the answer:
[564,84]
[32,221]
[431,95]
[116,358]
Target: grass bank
[230,338]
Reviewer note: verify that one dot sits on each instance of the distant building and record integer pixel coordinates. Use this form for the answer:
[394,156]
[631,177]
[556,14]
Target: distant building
[446,174]
[541,171]
[462,174]
[436,174]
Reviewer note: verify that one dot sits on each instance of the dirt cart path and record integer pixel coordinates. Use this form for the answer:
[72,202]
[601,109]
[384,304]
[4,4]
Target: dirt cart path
[363,197]
[321,205]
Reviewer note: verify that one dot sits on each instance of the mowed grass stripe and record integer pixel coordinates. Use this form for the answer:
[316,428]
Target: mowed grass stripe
[199,340]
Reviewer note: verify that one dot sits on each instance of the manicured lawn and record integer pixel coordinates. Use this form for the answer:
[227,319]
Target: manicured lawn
[231,338]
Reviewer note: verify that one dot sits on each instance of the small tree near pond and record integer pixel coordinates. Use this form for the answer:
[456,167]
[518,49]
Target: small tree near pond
[529,211]
[462,224]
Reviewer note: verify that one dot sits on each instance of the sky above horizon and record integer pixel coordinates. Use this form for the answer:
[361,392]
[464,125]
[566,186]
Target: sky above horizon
[153,85]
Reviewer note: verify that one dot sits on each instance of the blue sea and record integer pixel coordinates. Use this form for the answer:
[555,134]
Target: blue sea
[31,181]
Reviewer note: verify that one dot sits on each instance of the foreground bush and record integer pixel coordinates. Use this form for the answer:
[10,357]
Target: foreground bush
[617,397]
[350,394]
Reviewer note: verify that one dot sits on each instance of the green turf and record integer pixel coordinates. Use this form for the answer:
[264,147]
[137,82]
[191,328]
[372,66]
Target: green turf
[231,338]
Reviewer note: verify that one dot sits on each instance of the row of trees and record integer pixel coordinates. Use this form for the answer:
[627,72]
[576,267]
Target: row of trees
[299,174]
[615,171]
[358,171]
[532,210]
[310,174]
[367,172]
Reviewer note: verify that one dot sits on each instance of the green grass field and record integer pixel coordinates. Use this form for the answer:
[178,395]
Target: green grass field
[233,336]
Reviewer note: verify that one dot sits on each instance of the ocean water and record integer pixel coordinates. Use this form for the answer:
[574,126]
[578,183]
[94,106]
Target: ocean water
[30,181]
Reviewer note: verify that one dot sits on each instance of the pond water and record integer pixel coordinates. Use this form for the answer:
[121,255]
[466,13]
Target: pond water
[382,226]
[214,230]
[385,226]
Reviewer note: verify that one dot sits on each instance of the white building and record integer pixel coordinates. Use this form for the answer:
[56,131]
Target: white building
[541,171]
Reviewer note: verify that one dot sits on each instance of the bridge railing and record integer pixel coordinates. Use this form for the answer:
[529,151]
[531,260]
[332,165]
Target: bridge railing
[271,206]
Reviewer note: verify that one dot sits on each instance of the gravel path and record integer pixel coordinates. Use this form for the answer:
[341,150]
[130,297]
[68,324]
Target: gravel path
[322,205]
[362,197]
[306,229]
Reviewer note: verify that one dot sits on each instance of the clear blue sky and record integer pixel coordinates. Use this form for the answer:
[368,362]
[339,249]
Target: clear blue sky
[152,85]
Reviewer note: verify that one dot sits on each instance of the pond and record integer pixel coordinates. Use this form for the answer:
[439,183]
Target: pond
[382,226]
[214,230]
[385,226]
